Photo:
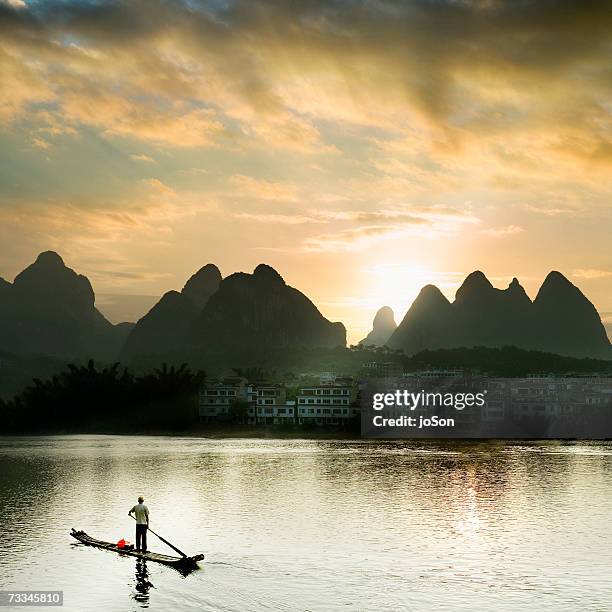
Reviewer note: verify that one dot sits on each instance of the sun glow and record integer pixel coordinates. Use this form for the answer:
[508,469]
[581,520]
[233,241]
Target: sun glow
[398,285]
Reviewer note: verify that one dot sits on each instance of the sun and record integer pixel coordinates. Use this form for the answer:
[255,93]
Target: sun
[396,285]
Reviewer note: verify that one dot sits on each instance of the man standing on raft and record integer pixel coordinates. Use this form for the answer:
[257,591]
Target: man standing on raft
[141,514]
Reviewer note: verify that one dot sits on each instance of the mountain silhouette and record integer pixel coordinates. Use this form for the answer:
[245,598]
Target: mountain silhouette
[486,316]
[202,285]
[166,326]
[251,312]
[49,309]
[565,321]
[382,327]
[429,323]
[560,320]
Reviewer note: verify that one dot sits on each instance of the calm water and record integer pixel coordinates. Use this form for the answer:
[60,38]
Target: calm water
[312,525]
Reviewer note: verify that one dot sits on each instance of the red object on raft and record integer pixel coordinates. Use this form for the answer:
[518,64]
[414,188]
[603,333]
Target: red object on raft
[121,543]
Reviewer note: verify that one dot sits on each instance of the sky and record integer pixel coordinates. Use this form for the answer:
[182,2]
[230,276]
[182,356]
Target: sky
[362,148]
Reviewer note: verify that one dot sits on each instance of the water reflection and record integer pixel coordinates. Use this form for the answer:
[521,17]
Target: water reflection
[301,524]
[143,584]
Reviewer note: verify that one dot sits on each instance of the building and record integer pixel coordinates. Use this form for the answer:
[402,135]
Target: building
[234,399]
[544,397]
[436,374]
[271,406]
[328,403]
[377,369]
[225,400]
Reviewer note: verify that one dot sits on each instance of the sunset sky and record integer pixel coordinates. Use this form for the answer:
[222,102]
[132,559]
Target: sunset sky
[363,149]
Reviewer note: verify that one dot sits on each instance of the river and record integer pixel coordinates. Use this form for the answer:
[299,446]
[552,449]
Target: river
[312,525]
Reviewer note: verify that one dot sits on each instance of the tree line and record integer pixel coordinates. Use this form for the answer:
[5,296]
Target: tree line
[105,399]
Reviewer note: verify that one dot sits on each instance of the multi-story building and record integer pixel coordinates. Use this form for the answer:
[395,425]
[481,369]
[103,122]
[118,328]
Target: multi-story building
[328,404]
[234,399]
[543,396]
[225,399]
[271,406]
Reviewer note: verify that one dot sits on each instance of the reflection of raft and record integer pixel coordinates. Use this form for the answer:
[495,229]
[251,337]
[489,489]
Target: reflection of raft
[178,562]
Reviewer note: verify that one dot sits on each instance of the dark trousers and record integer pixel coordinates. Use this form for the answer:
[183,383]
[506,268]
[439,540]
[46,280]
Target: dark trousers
[141,536]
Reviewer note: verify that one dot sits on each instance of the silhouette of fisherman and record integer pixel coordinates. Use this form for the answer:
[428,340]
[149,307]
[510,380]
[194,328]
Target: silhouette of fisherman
[141,514]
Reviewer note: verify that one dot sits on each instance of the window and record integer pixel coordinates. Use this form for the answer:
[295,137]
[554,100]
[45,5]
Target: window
[337,411]
[311,411]
[301,400]
[326,411]
[281,411]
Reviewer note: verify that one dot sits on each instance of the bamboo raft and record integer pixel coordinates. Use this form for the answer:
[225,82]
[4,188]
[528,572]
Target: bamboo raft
[178,562]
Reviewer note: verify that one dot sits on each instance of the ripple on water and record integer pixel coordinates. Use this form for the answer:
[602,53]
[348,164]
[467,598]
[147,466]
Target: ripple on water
[312,525]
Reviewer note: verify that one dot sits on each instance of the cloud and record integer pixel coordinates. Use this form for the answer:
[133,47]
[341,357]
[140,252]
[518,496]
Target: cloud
[371,222]
[143,158]
[157,186]
[554,210]
[193,172]
[591,273]
[247,186]
[180,74]
[500,232]
[346,117]
[20,84]
[354,239]
[383,225]
[41,143]
[277,218]
[173,125]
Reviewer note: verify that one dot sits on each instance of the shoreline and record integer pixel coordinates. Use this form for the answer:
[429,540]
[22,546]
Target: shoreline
[267,434]
[209,433]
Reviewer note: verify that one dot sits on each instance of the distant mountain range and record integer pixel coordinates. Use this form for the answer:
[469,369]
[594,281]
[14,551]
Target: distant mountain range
[243,313]
[167,325]
[49,309]
[560,320]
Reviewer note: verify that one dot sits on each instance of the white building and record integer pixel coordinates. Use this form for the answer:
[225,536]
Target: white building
[234,399]
[327,404]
